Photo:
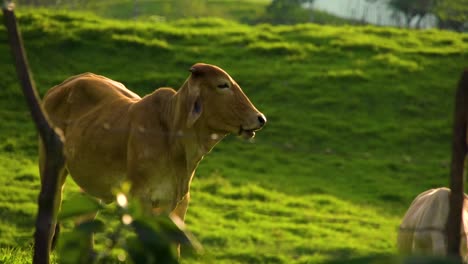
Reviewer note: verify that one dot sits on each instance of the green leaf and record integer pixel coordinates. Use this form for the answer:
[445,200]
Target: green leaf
[92,226]
[134,207]
[79,205]
[137,252]
[75,248]
[148,233]
[156,246]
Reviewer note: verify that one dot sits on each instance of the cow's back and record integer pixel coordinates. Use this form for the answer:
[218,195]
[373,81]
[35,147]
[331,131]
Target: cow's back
[93,113]
[422,230]
[81,94]
[423,222]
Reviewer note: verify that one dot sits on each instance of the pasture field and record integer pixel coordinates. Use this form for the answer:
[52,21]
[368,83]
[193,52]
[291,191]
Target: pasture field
[239,10]
[243,11]
[359,123]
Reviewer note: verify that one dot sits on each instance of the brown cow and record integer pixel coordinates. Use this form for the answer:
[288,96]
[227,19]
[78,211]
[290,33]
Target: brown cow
[422,230]
[155,142]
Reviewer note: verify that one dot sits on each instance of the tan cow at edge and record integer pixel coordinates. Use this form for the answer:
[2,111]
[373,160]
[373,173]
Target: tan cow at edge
[155,142]
[423,228]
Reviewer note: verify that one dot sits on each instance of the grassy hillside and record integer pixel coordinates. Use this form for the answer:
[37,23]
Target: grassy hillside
[359,124]
[147,10]
[243,11]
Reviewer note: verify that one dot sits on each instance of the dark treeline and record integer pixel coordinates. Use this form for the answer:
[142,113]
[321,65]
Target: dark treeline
[451,14]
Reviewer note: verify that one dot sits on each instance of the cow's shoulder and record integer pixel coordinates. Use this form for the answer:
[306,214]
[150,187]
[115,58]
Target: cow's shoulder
[154,106]
[424,206]
[157,100]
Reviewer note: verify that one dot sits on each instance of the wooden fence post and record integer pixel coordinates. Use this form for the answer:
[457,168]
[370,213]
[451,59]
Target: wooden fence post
[459,151]
[52,140]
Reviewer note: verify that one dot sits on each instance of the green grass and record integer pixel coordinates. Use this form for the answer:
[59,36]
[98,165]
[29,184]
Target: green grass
[359,124]
[246,11]
[243,11]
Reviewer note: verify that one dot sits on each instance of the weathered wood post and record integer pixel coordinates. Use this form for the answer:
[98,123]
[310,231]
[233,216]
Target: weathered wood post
[459,151]
[52,141]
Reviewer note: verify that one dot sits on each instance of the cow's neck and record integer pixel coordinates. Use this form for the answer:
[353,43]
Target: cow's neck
[188,144]
[205,140]
[194,141]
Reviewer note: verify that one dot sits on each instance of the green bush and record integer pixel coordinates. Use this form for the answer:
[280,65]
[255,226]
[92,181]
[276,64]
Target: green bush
[138,237]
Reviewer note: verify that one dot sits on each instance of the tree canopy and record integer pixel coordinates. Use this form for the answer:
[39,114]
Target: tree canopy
[450,13]
[287,11]
[412,9]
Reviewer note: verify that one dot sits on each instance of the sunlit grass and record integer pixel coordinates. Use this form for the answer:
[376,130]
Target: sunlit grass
[359,123]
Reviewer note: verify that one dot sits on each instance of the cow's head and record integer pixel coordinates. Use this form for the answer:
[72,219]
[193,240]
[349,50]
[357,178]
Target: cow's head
[217,102]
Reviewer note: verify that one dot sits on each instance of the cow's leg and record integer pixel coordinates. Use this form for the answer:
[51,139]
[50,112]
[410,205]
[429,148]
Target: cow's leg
[57,205]
[181,208]
[58,195]
[180,211]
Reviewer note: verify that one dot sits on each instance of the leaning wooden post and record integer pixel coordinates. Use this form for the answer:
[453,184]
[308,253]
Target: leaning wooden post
[459,151]
[52,142]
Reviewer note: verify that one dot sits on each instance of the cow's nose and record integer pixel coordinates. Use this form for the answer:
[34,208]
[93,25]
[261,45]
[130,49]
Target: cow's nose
[262,120]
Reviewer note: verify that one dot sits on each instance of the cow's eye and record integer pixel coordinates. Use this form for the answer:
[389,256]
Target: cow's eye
[223,86]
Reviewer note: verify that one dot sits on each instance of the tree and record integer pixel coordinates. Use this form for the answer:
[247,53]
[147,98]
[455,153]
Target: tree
[288,11]
[452,14]
[411,9]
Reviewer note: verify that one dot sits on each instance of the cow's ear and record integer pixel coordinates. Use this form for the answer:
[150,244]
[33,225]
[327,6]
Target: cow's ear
[197,70]
[194,104]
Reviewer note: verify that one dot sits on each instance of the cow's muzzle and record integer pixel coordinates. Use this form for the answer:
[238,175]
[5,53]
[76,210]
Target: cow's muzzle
[248,133]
